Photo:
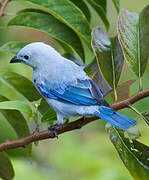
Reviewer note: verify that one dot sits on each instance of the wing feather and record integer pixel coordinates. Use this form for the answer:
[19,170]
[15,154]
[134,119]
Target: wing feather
[84,92]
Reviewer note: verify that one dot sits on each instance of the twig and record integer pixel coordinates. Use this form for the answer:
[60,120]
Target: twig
[131,100]
[36,136]
[3,6]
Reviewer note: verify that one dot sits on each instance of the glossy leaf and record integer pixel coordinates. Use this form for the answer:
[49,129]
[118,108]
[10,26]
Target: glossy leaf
[83,7]
[132,133]
[37,103]
[49,116]
[16,105]
[13,47]
[6,168]
[109,56]
[99,9]
[66,12]
[48,24]
[94,72]
[15,118]
[134,37]
[117,5]
[21,87]
[19,124]
[123,90]
[134,154]
[102,3]
[71,57]
[146,116]
[138,113]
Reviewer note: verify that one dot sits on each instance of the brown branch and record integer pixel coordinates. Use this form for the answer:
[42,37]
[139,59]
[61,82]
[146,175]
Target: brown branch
[36,136]
[131,100]
[3,6]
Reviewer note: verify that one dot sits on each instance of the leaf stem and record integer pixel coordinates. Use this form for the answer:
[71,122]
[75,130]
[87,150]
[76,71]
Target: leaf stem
[140,84]
[115,94]
[139,113]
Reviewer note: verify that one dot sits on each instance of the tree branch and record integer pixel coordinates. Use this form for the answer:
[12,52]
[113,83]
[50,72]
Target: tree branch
[3,6]
[36,136]
[131,100]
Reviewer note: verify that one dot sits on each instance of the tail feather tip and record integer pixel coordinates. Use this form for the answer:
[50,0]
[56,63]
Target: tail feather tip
[116,119]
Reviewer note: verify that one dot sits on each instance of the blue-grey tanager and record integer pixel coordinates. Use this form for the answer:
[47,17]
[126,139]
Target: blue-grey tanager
[66,87]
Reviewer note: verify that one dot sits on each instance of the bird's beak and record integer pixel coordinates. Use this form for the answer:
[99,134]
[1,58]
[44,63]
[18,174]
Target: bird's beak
[15,60]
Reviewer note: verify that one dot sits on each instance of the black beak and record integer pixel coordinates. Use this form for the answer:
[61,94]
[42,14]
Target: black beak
[15,60]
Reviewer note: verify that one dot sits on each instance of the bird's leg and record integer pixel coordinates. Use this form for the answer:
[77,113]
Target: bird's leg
[59,122]
[53,129]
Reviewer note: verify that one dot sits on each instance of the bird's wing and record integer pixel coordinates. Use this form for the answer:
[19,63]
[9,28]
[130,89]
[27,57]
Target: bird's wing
[84,92]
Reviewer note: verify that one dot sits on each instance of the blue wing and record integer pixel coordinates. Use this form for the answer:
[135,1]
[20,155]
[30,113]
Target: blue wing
[85,92]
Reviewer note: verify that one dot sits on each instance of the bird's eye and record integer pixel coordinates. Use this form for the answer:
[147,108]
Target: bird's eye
[26,57]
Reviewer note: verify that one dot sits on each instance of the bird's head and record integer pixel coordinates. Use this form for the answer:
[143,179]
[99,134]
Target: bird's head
[36,55]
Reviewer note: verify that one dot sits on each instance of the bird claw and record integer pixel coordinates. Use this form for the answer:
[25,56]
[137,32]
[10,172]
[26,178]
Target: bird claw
[53,129]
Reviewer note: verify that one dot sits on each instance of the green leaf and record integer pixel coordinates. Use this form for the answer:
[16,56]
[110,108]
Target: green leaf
[134,38]
[100,12]
[109,56]
[94,72]
[139,113]
[66,12]
[15,85]
[83,7]
[146,116]
[36,103]
[6,168]
[123,90]
[134,154]
[132,133]
[102,3]
[13,47]
[71,57]
[16,105]
[48,24]
[19,124]
[20,84]
[49,116]
[117,5]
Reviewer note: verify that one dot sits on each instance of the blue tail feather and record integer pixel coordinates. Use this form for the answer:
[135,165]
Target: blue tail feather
[114,118]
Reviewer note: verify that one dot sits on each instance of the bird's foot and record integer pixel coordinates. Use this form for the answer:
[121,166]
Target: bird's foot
[53,129]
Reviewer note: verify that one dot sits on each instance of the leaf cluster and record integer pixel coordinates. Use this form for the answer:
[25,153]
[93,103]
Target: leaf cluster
[69,23]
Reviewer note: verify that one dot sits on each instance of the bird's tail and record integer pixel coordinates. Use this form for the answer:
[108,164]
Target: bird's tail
[114,118]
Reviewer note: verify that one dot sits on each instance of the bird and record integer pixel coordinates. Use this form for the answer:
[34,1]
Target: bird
[66,87]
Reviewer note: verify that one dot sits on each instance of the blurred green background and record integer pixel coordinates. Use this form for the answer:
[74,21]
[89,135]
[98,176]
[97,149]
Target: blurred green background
[85,154]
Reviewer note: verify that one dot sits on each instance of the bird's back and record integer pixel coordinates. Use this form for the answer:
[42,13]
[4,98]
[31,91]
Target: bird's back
[59,73]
